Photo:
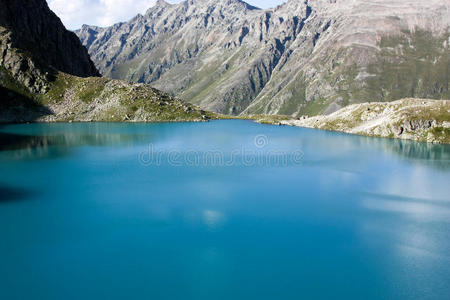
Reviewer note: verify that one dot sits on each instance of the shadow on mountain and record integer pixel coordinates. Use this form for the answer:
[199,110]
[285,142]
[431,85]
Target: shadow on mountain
[10,194]
[17,108]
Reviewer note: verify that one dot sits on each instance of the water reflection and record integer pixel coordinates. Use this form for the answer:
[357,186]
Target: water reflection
[437,156]
[10,142]
[409,207]
[44,140]
[213,219]
[61,143]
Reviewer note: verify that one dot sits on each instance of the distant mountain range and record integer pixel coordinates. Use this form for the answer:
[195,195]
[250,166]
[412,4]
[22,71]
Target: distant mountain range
[301,58]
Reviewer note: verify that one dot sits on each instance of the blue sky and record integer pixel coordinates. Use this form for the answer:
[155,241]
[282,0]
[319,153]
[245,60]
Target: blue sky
[75,13]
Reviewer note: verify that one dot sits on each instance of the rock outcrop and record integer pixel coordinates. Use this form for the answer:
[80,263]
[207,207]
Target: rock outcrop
[303,57]
[413,119]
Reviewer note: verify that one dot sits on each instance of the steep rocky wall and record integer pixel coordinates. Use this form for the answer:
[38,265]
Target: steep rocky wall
[34,44]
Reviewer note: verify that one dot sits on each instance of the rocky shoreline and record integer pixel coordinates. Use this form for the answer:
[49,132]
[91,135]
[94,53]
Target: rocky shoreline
[420,120]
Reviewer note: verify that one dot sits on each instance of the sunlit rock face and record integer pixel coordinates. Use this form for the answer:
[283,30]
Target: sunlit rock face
[303,57]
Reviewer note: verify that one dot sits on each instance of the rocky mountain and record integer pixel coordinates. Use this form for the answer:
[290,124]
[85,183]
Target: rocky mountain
[303,57]
[413,119]
[34,43]
[46,74]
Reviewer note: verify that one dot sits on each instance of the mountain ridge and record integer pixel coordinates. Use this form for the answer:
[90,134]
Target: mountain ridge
[297,58]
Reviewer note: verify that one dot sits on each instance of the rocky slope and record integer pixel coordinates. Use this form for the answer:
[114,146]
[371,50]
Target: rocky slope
[46,74]
[303,57]
[413,119]
[96,99]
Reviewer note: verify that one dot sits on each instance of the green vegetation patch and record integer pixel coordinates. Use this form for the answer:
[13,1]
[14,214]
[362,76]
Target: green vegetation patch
[442,134]
[58,89]
[267,119]
[85,89]
[414,64]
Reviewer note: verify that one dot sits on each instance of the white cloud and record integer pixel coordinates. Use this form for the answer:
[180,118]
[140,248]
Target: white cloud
[75,13]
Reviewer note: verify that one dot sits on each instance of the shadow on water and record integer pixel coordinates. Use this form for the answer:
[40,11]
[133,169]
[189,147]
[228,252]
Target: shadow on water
[17,108]
[10,194]
[11,142]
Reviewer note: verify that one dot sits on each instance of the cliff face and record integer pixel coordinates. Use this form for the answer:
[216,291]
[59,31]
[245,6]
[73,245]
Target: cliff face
[34,43]
[303,57]
[46,74]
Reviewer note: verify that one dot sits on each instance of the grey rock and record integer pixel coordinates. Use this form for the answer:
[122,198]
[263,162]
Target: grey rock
[413,125]
[333,107]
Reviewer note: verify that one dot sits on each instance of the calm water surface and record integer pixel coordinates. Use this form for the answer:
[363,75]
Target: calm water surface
[220,210]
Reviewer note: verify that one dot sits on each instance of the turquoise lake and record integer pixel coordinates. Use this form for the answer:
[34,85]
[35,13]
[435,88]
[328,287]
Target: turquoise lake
[220,210]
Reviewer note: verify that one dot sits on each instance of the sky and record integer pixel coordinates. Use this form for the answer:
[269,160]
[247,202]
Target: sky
[75,13]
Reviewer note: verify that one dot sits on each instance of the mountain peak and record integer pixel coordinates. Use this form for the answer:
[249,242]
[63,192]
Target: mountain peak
[220,3]
[162,3]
